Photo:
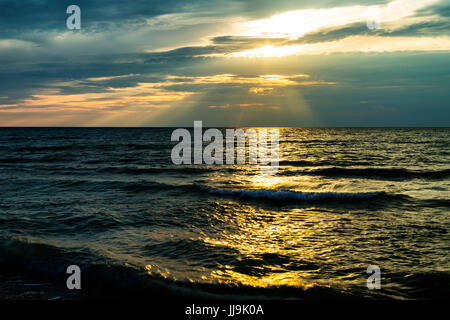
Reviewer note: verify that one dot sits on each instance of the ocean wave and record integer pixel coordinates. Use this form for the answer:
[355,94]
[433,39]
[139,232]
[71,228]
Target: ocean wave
[128,146]
[104,278]
[322,163]
[51,148]
[48,262]
[111,279]
[432,203]
[147,146]
[101,186]
[291,195]
[48,158]
[13,160]
[198,188]
[386,173]
[168,169]
[363,198]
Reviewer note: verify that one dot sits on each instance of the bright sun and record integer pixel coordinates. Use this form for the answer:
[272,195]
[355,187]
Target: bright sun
[293,24]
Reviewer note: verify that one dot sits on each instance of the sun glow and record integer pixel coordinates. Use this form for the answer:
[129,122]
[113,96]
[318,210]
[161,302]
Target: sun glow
[295,23]
[291,26]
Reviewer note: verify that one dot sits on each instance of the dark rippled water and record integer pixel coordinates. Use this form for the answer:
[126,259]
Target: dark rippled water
[110,200]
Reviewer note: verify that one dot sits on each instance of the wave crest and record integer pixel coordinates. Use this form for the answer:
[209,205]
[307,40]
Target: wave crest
[290,195]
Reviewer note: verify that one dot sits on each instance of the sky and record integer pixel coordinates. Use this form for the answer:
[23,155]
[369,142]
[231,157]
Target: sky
[312,63]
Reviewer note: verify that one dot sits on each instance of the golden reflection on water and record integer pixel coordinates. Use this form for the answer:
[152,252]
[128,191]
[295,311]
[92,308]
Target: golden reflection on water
[271,235]
[277,233]
[265,182]
[292,278]
[255,233]
[296,245]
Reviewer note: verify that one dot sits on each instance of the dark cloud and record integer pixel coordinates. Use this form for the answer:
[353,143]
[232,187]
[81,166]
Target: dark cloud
[442,9]
[335,33]
[234,43]
[16,16]
[258,8]
[112,44]
[30,19]
[19,15]
[425,28]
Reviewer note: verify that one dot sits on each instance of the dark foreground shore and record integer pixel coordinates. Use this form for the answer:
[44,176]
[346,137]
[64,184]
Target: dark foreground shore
[22,287]
[15,286]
